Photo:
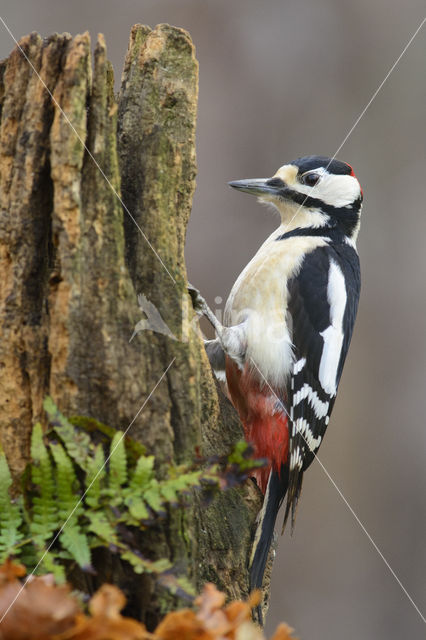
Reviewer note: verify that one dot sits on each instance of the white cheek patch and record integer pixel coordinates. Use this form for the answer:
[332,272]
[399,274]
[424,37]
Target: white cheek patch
[335,190]
[338,191]
[333,335]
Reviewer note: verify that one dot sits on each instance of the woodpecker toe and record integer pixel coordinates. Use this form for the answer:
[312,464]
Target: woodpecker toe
[198,303]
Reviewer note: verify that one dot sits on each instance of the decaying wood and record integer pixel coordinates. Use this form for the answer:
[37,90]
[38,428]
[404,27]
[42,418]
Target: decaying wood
[73,260]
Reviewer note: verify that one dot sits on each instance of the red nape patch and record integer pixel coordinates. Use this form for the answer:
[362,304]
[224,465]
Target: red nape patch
[265,425]
[352,173]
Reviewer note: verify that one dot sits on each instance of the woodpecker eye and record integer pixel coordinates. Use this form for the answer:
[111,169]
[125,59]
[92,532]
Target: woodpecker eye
[309,179]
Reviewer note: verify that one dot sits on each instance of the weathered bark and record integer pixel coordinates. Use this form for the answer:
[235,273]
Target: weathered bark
[73,259]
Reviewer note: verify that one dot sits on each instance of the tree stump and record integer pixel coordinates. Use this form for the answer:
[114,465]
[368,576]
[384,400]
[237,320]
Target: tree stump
[95,197]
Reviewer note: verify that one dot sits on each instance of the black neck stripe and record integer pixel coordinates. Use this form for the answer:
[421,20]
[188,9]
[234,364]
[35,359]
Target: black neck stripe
[346,217]
[325,232]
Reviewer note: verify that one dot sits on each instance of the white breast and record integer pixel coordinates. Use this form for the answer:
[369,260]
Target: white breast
[258,300]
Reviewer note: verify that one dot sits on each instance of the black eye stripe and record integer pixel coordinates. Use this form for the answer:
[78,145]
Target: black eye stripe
[275,182]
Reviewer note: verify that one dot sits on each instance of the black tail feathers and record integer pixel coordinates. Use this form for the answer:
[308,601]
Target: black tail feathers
[275,493]
[293,493]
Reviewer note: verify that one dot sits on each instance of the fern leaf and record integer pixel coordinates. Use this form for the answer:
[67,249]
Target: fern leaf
[140,480]
[175,487]
[10,514]
[168,491]
[186,481]
[95,477]
[117,462]
[70,507]
[77,442]
[77,544]
[153,497]
[44,519]
[142,474]
[66,480]
[142,565]
[28,556]
[102,528]
[137,509]
[48,565]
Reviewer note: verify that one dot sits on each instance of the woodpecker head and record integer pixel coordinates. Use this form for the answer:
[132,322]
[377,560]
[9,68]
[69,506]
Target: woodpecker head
[312,192]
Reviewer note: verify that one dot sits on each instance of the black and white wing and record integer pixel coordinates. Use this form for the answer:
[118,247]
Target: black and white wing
[323,301]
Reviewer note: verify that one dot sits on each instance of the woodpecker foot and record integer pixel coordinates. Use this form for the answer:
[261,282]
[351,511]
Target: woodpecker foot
[201,308]
[198,302]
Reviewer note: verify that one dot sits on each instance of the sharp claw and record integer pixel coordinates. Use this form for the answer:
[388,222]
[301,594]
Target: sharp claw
[201,308]
[198,302]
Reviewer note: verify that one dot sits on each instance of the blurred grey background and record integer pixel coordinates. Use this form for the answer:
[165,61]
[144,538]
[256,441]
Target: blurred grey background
[280,79]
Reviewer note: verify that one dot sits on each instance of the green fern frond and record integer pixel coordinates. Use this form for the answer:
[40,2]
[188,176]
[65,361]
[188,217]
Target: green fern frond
[44,519]
[97,502]
[95,476]
[11,518]
[142,474]
[70,507]
[48,565]
[117,463]
[137,509]
[77,544]
[152,495]
[175,487]
[142,565]
[28,555]
[102,528]
[66,482]
[77,443]
[140,479]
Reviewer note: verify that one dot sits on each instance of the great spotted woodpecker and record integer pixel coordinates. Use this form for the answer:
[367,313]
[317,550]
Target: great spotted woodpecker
[287,327]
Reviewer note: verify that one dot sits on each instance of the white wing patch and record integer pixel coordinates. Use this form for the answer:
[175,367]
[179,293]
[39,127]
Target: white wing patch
[298,366]
[303,427]
[306,392]
[333,336]
[296,461]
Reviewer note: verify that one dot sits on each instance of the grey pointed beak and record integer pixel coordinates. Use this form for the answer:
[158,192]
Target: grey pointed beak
[255,186]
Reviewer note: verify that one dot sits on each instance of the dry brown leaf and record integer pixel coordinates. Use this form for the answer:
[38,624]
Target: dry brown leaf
[40,610]
[209,600]
[283,632]
[108,601]
[106,621]
[237,611]
[183,625]
[254,598]
[249,631]
[10,571]
[37,610]
[105,629]
[211,622]
[210,612]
